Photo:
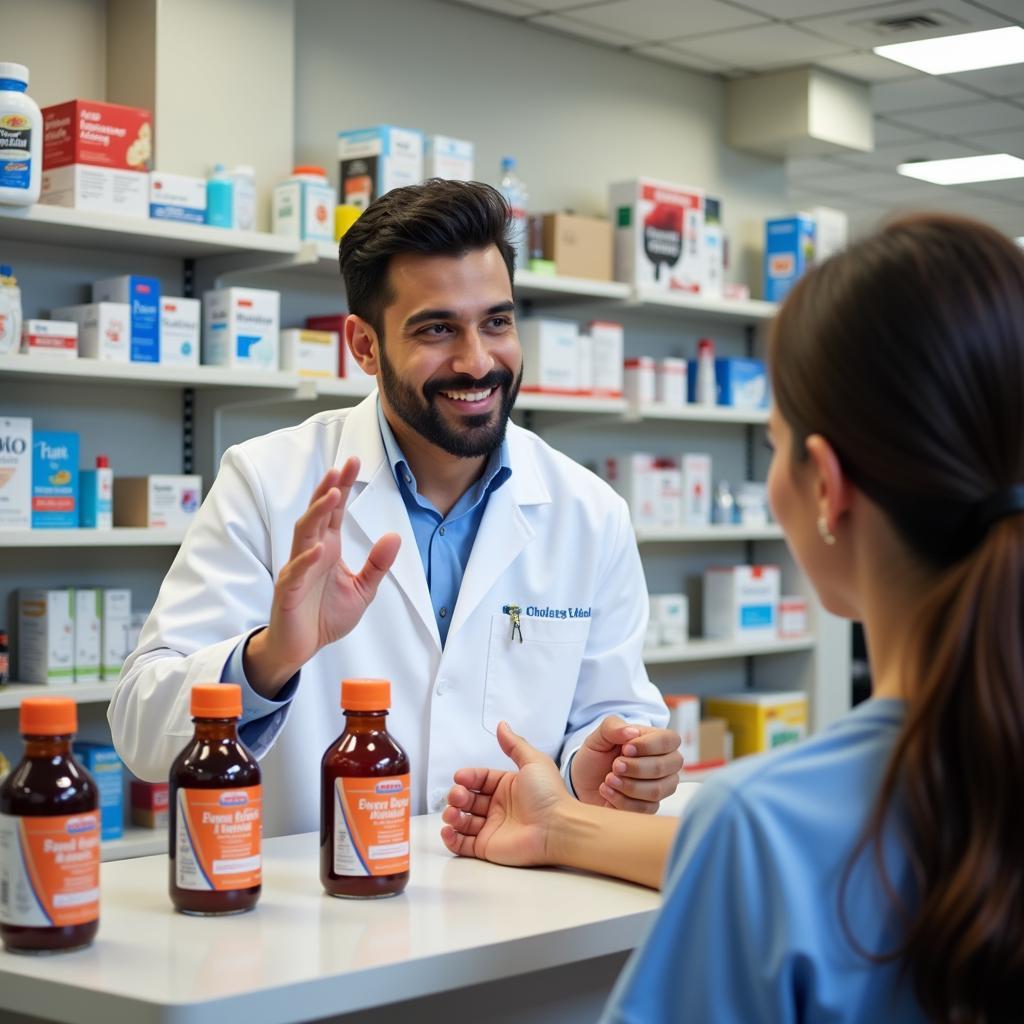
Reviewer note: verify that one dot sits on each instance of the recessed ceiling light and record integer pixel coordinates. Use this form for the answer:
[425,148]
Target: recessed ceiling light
[993,167]
[969,51]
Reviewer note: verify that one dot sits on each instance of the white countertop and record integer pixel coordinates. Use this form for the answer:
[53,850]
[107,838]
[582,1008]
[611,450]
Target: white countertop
[302,955]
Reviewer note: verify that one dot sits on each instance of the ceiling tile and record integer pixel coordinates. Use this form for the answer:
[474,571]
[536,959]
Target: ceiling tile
[1006,191]
[671,55]
[562,5]
[1008,140]
[964,118]
[662,20]
[904,191]
[885,132]
[1008,81]
[763,46]
[1011,9]
[854,182]
[514,8]
[888,156]
[580,29]
[866,67]
[811,167]
[916,94]
[786,9]
[857,27]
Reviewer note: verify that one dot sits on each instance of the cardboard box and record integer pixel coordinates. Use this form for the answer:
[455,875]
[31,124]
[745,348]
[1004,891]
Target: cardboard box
[88,611]
[741,602]
[695,468]
[584,364]
[608,343]
[711,741]
[115,622]
[241,328]
[309,353]
[640,381]
[99,134]
[50,338]
[672,614]
[46,636]
[150,802]
[100,760]
[373,161]
[550,356]
[180,322]
[788,252]
[54,480]
[659,235]
[157,501]
[793,618]
[304,210]
[668,483]
[634,479]
[742,383]
[15,473]
[142,296]
[449,158]
[178,197]
[578,246]
[684,717]
[831,232]
[104,329]
[760,721]
[670,376]
[97,190]
[347,365]
[711,285]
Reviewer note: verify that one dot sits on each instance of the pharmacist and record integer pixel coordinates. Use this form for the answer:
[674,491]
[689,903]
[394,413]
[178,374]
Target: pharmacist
[418,537]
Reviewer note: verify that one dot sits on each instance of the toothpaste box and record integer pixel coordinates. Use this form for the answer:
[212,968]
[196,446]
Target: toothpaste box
[102,763]
[347,365]
[100,134]
[373,161]
[46,636]
[449,158]
[142,295]
[150,804]
[54,480]
[550,356]
[179,197]
[115,625]
[157,501]
[15,473]
[742,383]
[88,613]
[309,353]
[104,329]
[241,328]
[789,244]
[741,602]
[97,190]
[180,321]
[50,338]
[634,478]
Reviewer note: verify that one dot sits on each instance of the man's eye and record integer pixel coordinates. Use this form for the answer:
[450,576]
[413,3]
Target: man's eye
[500,322]
[435,330]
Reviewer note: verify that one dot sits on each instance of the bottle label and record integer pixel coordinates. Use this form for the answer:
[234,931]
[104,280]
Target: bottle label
[218,839]
[371,826]
[50,870]
[15,151]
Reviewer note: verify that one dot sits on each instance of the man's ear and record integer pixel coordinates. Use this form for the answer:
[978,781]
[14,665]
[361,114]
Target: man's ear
[362,342]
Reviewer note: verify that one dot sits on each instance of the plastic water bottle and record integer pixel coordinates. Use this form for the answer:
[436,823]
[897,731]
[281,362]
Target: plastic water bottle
[514,193]
[21,138]
[220,199]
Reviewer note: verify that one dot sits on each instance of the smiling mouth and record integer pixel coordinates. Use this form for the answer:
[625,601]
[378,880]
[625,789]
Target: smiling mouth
[469,397]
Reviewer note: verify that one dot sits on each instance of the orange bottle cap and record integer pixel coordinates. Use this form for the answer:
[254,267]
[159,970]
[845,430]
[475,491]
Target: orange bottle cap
[365,694]
[48,716]
[310,169]
[216,700]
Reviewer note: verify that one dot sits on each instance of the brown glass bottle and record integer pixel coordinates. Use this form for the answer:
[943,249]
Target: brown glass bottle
[215,805]
[54,907]
[364,800]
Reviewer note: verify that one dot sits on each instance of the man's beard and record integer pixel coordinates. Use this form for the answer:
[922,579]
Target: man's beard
[480,435]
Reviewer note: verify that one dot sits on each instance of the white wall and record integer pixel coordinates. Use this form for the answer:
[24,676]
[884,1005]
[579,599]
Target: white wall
[577,115]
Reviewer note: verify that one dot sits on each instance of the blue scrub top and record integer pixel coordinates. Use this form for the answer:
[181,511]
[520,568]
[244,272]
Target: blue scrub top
[750,929]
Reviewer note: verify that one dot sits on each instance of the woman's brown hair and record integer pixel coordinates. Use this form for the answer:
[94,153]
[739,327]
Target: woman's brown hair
[906,352]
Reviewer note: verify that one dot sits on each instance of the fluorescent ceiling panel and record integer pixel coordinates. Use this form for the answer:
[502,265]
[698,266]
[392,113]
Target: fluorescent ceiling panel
[993,167]
[969,51]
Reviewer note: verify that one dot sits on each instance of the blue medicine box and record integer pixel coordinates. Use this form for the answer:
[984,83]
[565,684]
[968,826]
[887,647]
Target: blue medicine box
[142,294]
[788,252]
[54,480]
[102,763]
[742,383]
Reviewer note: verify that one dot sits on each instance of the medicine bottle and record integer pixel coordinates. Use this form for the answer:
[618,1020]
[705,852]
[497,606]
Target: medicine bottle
[21,138]
[216,811]
[49,837]
[364,800]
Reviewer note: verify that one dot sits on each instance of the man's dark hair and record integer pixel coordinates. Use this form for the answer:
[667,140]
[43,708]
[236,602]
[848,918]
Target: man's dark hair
[437,218]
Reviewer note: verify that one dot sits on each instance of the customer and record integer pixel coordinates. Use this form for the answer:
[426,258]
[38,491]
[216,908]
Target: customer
[874,872]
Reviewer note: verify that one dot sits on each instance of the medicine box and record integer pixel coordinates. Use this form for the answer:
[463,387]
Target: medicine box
[607,342]
[684,718]
[97,190]
[115,623]
[640,381]
[348,367]
[303,210]
[742,383]
[88,611]
[741,602]
[104,329]
[672,614]
[100,134]
[578,246]
[149,804]
[711,742]
[550,356]
[712,282]
[15,473]
[241,328]
[157,501]
[309,353]
[831,231]
[178,197]
[659,235]
[46,636]
[633,478]
[793,618]
[50,338]
[96,498]
[670,387]
[100,760]
[449,158]
[142,295]
[180,325]
[668,493]
[760,721]
[373,161]
[695,469]
[788,252]
[584,364]
[54,480]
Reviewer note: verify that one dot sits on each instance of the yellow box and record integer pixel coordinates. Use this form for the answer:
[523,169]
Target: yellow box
[760,721]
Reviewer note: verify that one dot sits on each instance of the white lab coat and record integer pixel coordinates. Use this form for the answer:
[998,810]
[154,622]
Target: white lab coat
[554,539]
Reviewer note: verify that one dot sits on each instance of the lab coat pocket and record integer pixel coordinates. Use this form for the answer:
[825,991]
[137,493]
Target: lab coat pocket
[531,684]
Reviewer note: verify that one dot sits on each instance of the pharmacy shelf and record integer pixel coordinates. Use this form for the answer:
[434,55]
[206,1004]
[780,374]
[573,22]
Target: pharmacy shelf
[656,534]
[697,414]
[529,285]
[714,650]
[557,403]
[746,311]
[136,842]
[12,694]
[119,537]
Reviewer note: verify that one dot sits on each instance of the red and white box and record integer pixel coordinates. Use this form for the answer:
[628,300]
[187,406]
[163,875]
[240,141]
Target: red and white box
[670,382]
[639,381]
[669,490]
[793,618]
[551,361]
[50,338]
[659,235]
[150,804]
[684,717]
[696,489]
[347,365]
[608,340]
[741,602]
[634,478]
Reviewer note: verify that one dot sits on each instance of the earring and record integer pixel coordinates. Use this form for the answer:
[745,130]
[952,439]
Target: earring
[824,532]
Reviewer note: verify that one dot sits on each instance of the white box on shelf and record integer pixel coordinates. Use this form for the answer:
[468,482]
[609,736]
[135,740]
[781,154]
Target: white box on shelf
[87,635]
[793,618]
[373,161]
[50,338]
[668,487]
[180,322]
[157,501]
[670,382]
[241,328]
[97,189]
[142,294]
[634,478]
[831,231]
[46,636]
[550,356]
[741,602]
[672,614]
[607,341]
[639,381]
[449,158]
[179,197]
[309,353]
[15,473]
[684,717]
[585,364]
[104,329]
[714,249]
[696,489]
[115,623]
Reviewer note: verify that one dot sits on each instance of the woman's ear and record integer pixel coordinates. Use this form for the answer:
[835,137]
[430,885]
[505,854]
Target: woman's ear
[833,491]
[361,339]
